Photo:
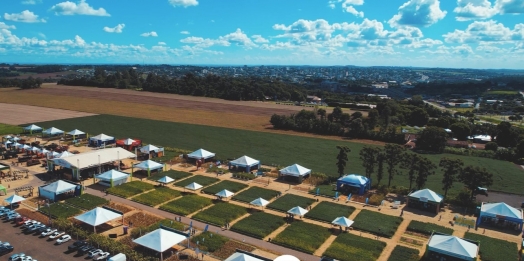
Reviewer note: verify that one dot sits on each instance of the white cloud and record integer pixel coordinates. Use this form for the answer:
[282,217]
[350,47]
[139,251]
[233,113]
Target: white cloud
[418,13]
[149,34]
[464,50]
[184,32]
[348,6]
[82,8]
[24,17]
[5,26]
[485,31]
[31,2]
[117,29]
[184,3]
[161,43]
[510,6]
[474,9]
[259,39]
[239,38]
[42,35]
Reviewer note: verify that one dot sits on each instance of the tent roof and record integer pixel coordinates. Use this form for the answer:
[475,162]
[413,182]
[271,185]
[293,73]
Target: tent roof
[53,130]
[14,199]
[453,246]
[59,186]
[3,167]
[160,240]
[148,148]
[286,258]
[259,202]
[2,187]
[354,179]
[165,179]
[98,216]
[501,209]
[129,141]
[297,211]
[112,175]
[32,127]
[193,186]
[342,221]
[295,170]
[201,153]
[76,132]
[245,161]
[102,137]
[65,154]
[225,193]
[148,164]
[429,194]
[90,159]
[242,257]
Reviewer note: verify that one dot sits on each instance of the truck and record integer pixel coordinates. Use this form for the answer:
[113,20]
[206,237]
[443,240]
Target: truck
[118,257]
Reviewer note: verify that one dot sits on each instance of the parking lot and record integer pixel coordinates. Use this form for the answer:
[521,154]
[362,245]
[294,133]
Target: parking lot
[33,245]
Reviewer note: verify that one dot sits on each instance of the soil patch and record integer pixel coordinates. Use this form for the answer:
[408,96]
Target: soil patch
[16,114]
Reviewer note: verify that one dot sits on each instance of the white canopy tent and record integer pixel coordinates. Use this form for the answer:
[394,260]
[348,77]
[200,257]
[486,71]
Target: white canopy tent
[56,188]
[14,199]
[260,202]
[242,256]
[297,211]
[99,216]
[101,139]
[245,162]
[129,141]
[147,165]
[161,239]
[342,221]
[193,186]
[500,211]
[53,131]
[453,246]
[32,128]
[65,154]
[149,148]
[165,180]
[295,170]
[112,178]
[201,154]
[224,194]
[76,132]
[286,258]
[425,199]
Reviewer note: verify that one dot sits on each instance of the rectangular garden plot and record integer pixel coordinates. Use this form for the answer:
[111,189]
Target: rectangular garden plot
[157,196]
[202,180]
[290,201]
[302,236]
[258,225]
[328,211]
[349,247]
[59,210]
[255,192]
[187,204]
[226,184]
[174,174]
[402,253]
[86,201]
[376,223]
[221,213]
[130,189]
[427,228]
[136,233]
[492,249]
[209,242]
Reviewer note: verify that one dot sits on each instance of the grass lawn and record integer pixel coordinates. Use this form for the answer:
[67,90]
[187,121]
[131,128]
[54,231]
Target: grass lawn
[402,253]
[209,242]
[491,249]
[202,180]
[377,223]
[328,211]
[502,92]
[157,196]
[174,174]
[59,210]
[267,147]
[290,201]
[258,224]
[226,184]
[221,213]
[302,236]
[130,189]
[324,190]
[427,228]
[186,205]
[10,129]
[135,233]
[253,193]
[86,201]
[349,247]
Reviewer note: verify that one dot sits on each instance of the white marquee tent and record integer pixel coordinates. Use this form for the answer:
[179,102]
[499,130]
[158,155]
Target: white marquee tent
[297,211]
[56,188]
[245,162]
[32,128]
[224,193]
[201,154]
[260,202]
[161,239]
[53,131]
[112,178]
[243,256]
[193,186]
[98,216]
[453,246]
[148,165]
[295,170]
[342,221]
[165,180]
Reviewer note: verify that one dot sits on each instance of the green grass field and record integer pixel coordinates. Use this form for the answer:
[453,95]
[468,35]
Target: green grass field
[226,184]
[428,228]
[221,213]
[302,236]
[501,92]
[202,180]
[328,211]
[9,129]
[130,189]
[271,148]
[402,253]
[290,201]
[59,210]
[157,196]
[349,247]
[174,174]
[377,223]
[492,249]
[86,201]
[186,205]
[258,224]
[253,193]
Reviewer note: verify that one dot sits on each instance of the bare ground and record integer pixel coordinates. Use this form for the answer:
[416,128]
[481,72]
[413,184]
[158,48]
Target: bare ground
[16,114]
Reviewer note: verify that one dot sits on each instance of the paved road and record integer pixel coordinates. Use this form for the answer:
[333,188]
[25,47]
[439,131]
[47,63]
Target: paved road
[34,246]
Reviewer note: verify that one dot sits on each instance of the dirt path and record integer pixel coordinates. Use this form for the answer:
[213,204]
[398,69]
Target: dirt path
[325,245]
[393,242]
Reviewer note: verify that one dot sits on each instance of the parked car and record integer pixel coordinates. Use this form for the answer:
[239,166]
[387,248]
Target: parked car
[12,217]
[48,232]
[63,239]
[94,252]
[56,234]
[29,223]
[4,249]
[101,256]
[7,213]
[42,229]
[76,245]
[85,249]
[21,221]
[16,257]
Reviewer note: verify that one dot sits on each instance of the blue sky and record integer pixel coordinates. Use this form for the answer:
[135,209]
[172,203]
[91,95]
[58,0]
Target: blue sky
[429,33]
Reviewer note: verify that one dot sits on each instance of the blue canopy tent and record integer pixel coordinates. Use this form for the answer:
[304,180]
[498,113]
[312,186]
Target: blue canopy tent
[245,162]
[33,128]
[53,190]
[500,214]
[446,247]
[354,182]
[147,165]
[112,178]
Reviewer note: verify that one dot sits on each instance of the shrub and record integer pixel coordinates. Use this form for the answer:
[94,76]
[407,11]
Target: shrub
[290,201]
[243,175]
[174,174]
[491,248]
[202,180]
[377,223]
[428,228]
[157,196]
[402,253]
[253,193]
[376,199]
[258,224]
[349,247]
[328,211]
[302,236]
[221,213]
[130,189]
[217,169]
[86,201]
[210,242]
[186,205]
[491,146]
[226,184]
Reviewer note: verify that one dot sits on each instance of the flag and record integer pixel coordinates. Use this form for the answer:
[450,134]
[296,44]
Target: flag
[205,229]
[318,191]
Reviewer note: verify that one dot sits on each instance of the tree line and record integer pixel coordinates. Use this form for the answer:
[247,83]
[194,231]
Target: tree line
[29,83]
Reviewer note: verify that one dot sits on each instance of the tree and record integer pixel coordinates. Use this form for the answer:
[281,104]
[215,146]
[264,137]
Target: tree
[460,130]
[432,139]
[424,168]
[322,113]
[356,115]
[373,118]
[368,155]
[520,149]
[451,169]
[417,100]
[380,165]
[393,155]
[337,113]
[474,177]
[491,146]
[506,135]
[418,117]
[342,159]
[409,161]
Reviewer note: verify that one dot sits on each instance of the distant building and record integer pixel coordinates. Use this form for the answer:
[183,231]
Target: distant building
[314,99]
